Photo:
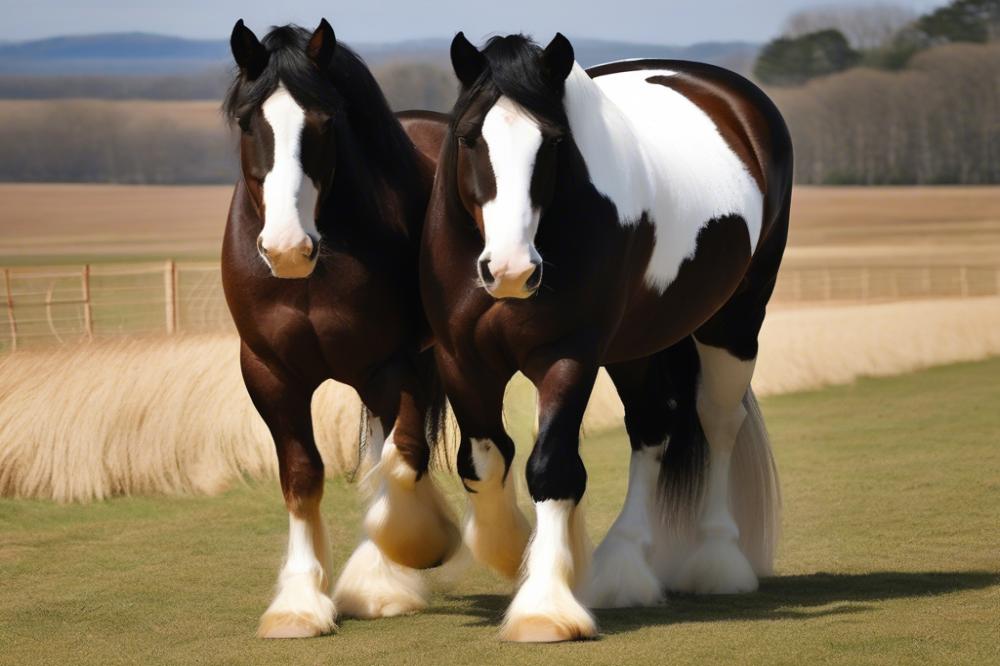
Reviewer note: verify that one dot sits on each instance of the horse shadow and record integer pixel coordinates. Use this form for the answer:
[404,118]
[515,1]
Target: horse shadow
[780,598]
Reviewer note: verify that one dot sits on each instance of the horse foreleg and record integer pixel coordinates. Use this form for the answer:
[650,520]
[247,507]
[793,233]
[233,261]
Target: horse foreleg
[302,606]
[409,525]
[545,607]
[496,531]
[410,521]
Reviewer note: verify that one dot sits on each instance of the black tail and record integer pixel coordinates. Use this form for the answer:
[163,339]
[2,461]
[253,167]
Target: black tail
[684,463]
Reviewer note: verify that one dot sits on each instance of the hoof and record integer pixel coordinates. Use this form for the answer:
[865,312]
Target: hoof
[620,577]
[548,628]
[372,586]
[717,567]
[285,624]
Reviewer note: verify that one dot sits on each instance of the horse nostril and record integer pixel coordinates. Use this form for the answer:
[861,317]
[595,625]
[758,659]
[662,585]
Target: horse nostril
[535,278]
[313,247]
[260,246]
[484,271]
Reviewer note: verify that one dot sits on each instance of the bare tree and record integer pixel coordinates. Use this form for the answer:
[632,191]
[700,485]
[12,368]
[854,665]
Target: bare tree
[866,26]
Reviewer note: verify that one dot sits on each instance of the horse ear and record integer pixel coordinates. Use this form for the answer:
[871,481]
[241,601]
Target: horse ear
[250,54]
[322,45]
[559,58]
[466,59]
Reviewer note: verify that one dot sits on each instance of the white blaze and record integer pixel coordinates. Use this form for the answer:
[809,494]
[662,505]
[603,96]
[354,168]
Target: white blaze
[510,221]
[289,196]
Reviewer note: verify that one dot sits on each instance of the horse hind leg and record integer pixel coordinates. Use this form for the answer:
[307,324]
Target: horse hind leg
[718,565]
[302,605]
[621,574]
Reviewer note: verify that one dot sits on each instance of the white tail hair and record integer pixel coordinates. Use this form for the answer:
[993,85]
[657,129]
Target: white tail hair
[754,493]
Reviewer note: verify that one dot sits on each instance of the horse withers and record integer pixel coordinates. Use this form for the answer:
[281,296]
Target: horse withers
[631,216]
[319,268]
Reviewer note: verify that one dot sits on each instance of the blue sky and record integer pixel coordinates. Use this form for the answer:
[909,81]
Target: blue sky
[654,21]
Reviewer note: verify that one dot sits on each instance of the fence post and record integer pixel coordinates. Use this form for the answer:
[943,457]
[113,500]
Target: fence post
[10,310]
[170,293]
[88,313]
[963,281]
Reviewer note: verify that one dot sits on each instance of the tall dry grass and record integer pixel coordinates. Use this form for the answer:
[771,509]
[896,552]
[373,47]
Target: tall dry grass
[809,348]
[145,416]
[173,416]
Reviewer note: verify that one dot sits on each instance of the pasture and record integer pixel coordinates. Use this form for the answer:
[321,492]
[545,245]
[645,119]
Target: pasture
[891,554]
[52,223]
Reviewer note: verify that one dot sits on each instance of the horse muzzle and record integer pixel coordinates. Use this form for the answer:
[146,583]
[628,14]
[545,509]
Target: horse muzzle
[290,261]
[507,279]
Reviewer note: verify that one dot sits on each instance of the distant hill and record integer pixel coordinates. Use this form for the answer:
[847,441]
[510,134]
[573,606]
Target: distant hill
[143,54]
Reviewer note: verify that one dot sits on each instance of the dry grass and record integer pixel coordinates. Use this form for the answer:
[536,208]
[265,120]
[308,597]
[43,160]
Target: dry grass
[144,416]
[922,226]
[172,415]
[830,225]
[809,348]
[114,221]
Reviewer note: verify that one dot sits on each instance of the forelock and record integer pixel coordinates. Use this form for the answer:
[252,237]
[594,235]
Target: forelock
[514,70]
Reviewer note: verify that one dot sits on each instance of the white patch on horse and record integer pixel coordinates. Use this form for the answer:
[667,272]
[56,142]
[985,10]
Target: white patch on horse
[652,151]
[286,186]
[622,574]
[510,221]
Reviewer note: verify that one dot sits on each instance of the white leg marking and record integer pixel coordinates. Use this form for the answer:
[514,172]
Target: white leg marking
[302,607]
[621,575]
[718,566]
[496,530]
[544,608]
[409,520]
[373,586]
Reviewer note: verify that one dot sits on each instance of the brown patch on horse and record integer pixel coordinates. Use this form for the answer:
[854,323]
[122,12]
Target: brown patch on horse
[740,125]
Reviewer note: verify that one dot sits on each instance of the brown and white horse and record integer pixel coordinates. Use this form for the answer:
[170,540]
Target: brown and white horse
[332,197]
[632,216]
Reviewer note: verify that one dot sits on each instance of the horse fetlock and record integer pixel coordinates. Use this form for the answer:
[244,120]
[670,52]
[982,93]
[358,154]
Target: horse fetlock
[301,608]
[413,526]
[372,586]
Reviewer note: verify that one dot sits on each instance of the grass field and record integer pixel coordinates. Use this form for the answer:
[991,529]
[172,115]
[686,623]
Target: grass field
[891,554]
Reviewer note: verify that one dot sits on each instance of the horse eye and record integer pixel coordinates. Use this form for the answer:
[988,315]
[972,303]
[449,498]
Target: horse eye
[467,141]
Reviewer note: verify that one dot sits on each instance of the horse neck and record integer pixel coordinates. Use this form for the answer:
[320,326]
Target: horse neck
[381,197]
[609,144]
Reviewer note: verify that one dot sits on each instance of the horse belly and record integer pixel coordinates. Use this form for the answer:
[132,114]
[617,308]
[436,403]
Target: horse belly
[656,319]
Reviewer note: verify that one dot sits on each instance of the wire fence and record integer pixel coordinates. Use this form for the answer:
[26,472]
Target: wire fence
[63,305]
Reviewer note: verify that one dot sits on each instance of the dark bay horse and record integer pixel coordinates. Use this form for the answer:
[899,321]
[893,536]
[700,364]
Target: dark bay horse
[631,216]
[319,267]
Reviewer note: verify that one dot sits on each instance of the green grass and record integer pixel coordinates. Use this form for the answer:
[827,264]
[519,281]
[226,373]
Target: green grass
[891,554]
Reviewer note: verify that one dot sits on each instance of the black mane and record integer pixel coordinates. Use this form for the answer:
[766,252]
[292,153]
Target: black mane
[515,70]
[372,146]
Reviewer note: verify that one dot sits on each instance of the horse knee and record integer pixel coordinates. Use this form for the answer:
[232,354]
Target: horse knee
[301,483]
[485,461]
[555,476]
